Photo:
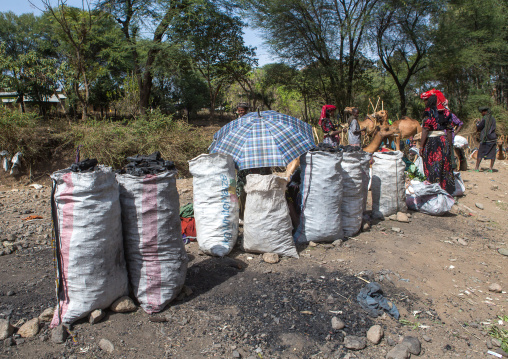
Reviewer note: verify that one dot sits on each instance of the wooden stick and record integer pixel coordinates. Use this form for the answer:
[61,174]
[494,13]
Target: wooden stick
[365,280]
[371,105]
[377,103]
[316,134]
[474,335]
[382,105]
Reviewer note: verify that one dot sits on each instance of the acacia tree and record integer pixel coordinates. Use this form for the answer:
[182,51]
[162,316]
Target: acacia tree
[216,46]
[470,58]
[155,17]
[24,67]
[327,32]
[402,33]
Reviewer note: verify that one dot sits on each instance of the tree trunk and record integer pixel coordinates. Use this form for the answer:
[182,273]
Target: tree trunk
[402,95]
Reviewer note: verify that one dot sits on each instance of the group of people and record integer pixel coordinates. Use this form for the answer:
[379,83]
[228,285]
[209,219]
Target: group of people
[439,127]
[331,128]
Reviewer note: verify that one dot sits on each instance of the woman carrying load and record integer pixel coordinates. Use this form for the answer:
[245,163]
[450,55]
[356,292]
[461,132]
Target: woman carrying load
[329,127]
[435,145]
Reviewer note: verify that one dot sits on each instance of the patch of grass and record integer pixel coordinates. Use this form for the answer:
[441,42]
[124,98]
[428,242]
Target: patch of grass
[501,334]
[413,325]
[502,205]
[112,142]
[108,141]
[17,132]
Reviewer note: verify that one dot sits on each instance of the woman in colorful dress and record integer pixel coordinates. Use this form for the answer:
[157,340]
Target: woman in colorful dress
[329,127]
[435,146]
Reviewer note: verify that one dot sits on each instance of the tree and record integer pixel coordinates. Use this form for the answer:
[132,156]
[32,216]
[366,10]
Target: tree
[470,58]
[85,39]
[215,44]
[328,32]
[403,35]
[155,17]
[24,68]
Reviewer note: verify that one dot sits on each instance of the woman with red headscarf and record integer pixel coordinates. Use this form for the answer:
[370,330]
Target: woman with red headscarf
[435,147]
[328,126]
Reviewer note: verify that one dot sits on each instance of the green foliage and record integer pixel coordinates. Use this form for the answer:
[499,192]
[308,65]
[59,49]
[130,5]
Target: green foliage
[501,334]
[17,132]
[111,142]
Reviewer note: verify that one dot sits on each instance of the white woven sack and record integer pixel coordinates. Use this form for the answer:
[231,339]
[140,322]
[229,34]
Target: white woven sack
[267,225]
[460,187]
[460,142]
[365,166]
[152,233]
[352,193]
[388,184]
[91,264]
[215,203]
[321,193]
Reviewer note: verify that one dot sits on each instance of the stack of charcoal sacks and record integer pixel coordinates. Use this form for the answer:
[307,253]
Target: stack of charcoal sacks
[91,271]
[100,223]
[154,250]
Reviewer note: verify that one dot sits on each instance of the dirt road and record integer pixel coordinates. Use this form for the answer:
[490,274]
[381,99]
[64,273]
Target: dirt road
[437,270]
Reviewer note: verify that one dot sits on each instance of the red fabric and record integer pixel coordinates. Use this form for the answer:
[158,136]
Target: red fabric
[189,226]
[323,111]
[441,99]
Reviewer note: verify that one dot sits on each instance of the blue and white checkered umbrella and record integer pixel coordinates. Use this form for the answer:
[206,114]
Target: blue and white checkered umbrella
[266,139]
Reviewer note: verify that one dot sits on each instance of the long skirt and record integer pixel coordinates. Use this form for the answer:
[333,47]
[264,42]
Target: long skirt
[487,151]
[437,163]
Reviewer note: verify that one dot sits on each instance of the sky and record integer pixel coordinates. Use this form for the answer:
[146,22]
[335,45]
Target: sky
[251,36]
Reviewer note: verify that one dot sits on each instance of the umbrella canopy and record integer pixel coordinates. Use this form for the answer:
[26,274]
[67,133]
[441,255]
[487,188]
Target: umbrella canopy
[266,139]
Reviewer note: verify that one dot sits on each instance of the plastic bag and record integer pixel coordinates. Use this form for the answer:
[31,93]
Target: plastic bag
[460,187]
[267,225]
[154,250]
[388,184]
[321,194]
[428,198]
[460,142]
[215,203]
[89,246]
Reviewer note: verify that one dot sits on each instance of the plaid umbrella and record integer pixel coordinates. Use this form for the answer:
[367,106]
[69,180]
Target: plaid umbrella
[266,139]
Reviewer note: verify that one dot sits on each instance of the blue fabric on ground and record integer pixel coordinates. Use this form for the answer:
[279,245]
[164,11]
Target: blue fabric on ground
[372,300]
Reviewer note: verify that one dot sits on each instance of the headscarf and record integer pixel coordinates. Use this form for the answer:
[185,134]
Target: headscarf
[431,110]
[441,99]
[324,109]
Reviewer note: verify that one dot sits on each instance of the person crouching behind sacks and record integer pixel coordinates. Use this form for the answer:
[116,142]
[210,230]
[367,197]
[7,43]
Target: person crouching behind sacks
[242,108]
[329,126]
[435,146]
[488,138]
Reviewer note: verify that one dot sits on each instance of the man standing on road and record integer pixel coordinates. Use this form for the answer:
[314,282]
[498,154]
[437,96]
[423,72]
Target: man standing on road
[488,137]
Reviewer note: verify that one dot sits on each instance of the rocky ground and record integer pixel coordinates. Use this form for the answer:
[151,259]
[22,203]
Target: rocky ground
[444,274]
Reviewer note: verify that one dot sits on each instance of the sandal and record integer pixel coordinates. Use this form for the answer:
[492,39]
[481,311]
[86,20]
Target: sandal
[490,171]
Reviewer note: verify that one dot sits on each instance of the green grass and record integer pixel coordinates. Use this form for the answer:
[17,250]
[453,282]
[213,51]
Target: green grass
[108,141]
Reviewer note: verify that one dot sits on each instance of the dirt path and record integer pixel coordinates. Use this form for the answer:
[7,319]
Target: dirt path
[243,307]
